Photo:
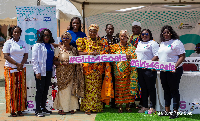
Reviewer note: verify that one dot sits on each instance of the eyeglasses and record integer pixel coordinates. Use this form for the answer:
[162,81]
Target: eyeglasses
[46,35]
[197,47]
[166,32]
[145,34]
[65,38]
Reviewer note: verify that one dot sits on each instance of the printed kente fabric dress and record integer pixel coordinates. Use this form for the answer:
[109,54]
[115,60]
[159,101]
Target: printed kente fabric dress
[95,94]
[126,77]
[69,80]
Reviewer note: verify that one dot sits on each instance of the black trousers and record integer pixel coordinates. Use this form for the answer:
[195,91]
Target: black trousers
[170,83]
[147,81]
[42,87]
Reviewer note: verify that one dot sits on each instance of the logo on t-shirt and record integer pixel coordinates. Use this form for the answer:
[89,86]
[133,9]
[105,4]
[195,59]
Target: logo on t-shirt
[22,46]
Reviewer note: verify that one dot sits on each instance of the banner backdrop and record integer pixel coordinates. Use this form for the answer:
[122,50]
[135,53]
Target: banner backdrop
[33,20]
[185,21]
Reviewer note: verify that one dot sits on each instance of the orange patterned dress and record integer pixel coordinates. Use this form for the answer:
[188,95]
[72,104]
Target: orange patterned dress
[126,77]
[94,93]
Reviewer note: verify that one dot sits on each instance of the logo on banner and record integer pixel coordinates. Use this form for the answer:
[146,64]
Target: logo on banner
[28,19]
[47,19]
[32,35]
[185,26]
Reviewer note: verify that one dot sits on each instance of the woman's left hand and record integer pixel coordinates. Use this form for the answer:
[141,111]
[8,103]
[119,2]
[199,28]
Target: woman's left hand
[128,57]
[19,66]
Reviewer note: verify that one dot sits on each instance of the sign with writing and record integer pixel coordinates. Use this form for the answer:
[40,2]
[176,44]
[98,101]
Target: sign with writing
[167,66]
[97,58]
[32,20]
[193,107]
[195,60]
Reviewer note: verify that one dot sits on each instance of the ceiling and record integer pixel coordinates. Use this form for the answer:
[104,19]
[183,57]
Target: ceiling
[93,7]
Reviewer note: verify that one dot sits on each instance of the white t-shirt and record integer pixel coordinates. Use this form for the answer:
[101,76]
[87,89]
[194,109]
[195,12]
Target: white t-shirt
[16,50]
[170,50]
[195,55]
[147,50]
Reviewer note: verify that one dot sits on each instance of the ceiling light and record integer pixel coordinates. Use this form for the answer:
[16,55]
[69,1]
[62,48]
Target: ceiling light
[132,8]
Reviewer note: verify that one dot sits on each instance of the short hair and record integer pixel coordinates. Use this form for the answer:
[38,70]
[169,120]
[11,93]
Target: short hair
[68,34]
[150,34]
[41,40]
[108,25]
[71,28]
[173,36]
[124,31]
[14,29]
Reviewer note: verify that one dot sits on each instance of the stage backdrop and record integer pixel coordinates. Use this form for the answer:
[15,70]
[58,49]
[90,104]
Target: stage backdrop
[33,20]
[185,21]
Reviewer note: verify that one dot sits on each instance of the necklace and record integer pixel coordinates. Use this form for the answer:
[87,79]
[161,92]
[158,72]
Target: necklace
[66,48]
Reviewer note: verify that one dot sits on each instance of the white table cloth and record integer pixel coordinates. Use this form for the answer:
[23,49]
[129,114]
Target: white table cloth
[189,89]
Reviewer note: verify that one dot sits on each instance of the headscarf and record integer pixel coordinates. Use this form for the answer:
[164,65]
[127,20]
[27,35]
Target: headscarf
[94,26]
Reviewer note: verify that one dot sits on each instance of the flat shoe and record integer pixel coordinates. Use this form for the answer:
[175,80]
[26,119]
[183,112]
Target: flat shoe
[13,115]
[143,109]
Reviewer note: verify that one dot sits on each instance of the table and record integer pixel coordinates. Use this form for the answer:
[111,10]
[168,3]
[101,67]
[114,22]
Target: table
[189,90]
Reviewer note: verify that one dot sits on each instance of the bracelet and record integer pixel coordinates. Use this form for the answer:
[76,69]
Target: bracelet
[60,63]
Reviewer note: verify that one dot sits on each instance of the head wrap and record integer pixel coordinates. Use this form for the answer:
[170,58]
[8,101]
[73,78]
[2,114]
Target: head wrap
[94,26]
[136,23]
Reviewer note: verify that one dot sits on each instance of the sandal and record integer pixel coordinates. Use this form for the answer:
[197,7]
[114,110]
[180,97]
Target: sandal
[62,112]
[88,112]
[13,115]
[20,113]
[59,111]
[72,112]
[120,110]
[128,109]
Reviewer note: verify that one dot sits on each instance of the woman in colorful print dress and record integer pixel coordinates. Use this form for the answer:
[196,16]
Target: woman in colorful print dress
[69,77]
[15,52]
[94,94]
[125,76]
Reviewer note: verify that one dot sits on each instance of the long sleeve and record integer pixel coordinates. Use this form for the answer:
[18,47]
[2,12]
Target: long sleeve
[35,62]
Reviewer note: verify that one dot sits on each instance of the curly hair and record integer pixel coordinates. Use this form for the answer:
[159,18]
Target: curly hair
[41,40]
[173,36]
[79,20]
[11,32]
[151,37]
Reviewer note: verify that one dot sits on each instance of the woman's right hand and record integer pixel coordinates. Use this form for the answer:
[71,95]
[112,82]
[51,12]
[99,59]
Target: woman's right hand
[65,63]
[94,53]
[38,76]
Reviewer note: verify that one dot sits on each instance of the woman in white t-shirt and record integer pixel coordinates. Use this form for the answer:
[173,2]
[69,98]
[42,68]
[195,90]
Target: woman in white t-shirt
[147,49]
[16,54]
[171,50]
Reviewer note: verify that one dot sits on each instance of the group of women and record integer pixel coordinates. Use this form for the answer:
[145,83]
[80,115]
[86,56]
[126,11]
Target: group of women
[85,80]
